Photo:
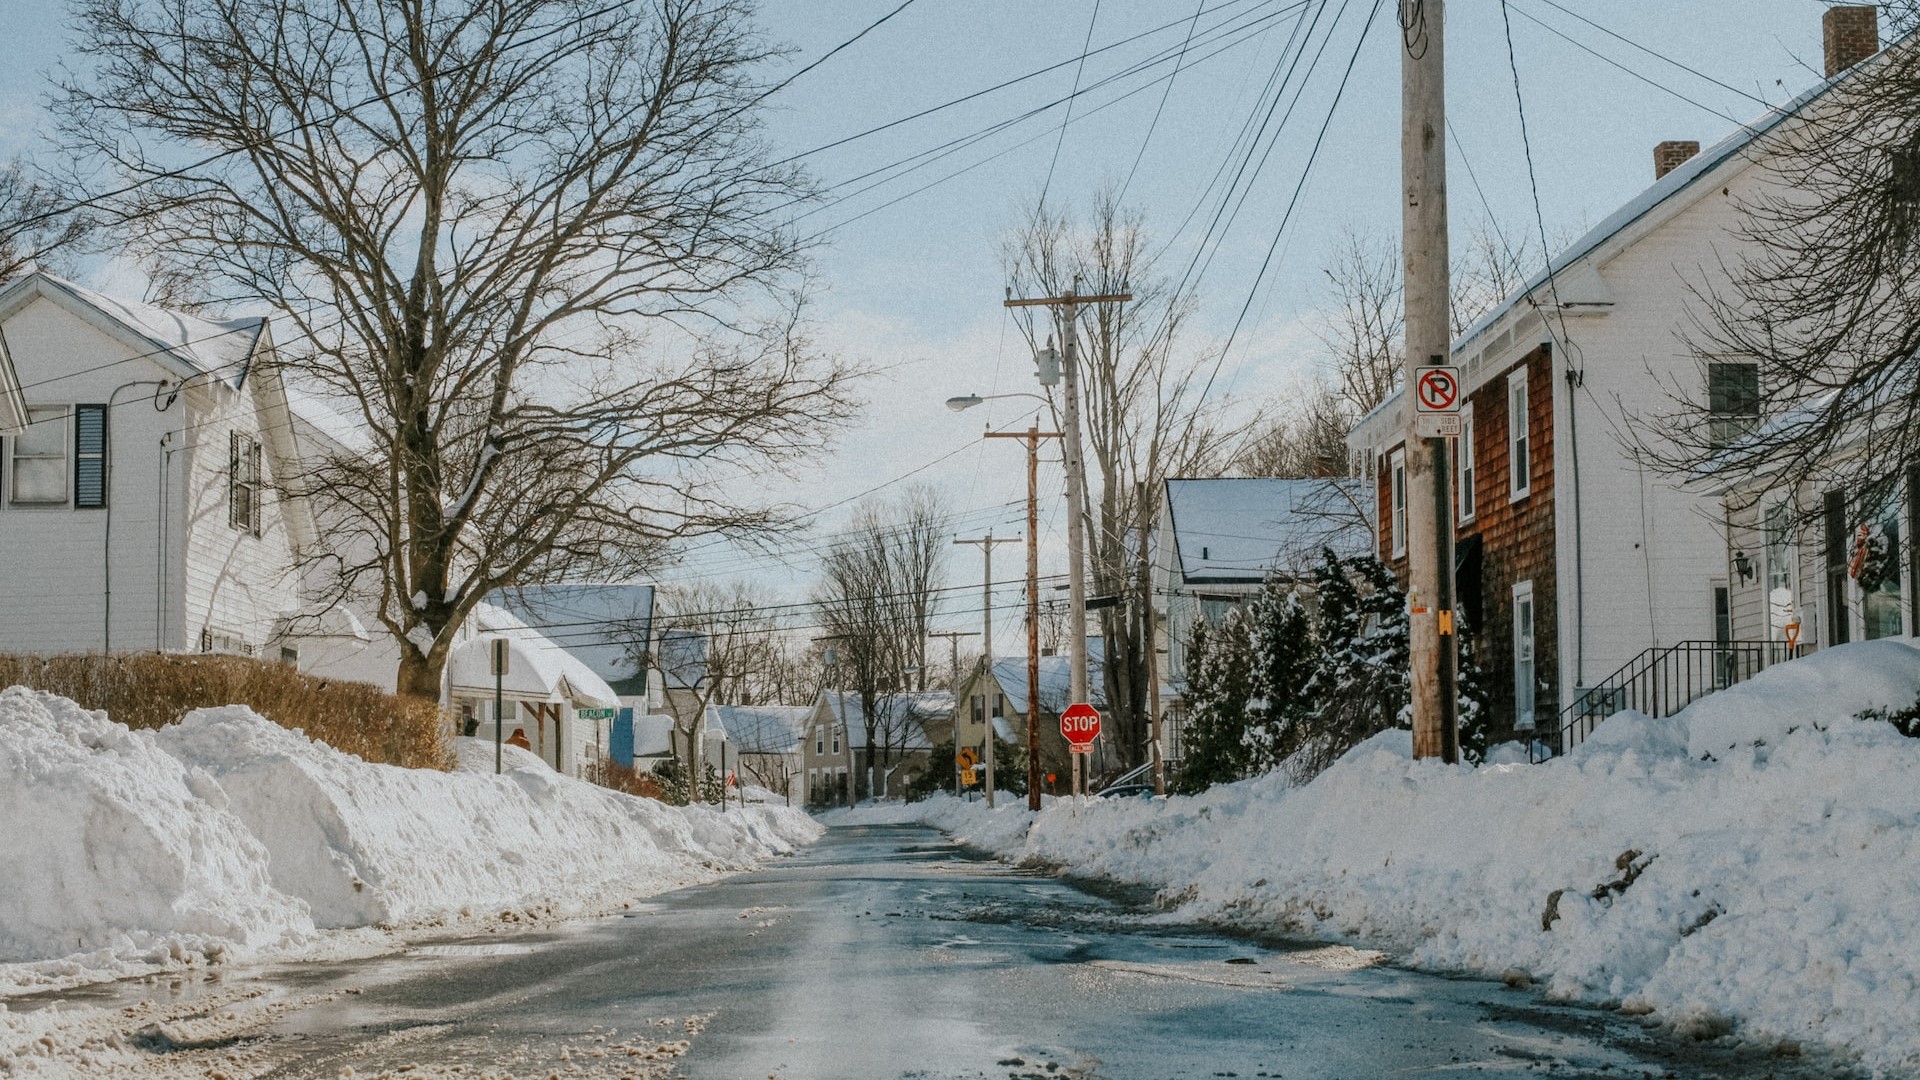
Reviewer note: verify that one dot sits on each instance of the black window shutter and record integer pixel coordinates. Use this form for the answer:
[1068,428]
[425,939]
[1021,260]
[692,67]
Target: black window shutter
[1836,560]
[254,478]
[89,456]
[1913,548]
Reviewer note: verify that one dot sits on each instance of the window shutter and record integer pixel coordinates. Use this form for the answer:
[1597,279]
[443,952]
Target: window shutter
[1836,529]
[89,456]
[253,479]
[234,496]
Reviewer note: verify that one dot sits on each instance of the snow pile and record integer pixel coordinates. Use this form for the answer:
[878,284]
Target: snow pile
[1769,883]
[227,835]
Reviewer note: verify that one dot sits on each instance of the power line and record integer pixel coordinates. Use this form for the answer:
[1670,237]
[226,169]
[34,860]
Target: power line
[1062,140]
[1152,125]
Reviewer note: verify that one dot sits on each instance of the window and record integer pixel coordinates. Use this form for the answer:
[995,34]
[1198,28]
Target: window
[979,703]
[1878,555]
[1397,522]
[1778,571]
[999,705]
[215,640]
[1733,401]
[89,457]
[1519,440]
[289,655]
[836,742]
[40,459]
[1463,465]
[1523,674]
[819,740]
[243,483]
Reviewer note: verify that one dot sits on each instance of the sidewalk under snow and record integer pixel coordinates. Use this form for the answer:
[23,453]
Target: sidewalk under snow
[227,837]
[1749,866]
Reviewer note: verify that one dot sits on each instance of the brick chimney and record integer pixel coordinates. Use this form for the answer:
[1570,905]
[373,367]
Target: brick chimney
[1672,154]
[1852,33]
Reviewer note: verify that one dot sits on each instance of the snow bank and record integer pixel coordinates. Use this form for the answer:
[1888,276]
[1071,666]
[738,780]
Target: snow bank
[1772,884]
[227,836]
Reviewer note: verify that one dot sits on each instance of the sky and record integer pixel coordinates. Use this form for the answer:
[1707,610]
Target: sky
[908,263]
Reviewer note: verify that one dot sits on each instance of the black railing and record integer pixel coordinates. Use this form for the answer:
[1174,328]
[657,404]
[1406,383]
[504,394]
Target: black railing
[1661,682]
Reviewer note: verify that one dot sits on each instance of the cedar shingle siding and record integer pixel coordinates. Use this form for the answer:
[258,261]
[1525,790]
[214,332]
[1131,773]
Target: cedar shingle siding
[1516,539]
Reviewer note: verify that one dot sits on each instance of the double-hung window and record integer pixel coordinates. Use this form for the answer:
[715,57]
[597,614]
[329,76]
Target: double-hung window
[243,482]
[1397,521]
[1733,401]
[40,459]
[1519,437]
[1463,464]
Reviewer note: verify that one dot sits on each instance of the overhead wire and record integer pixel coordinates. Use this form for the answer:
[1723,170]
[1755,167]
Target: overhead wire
[1079,70]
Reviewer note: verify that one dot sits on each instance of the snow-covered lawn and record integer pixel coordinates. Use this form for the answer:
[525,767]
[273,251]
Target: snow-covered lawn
[227,838]
[1751,865]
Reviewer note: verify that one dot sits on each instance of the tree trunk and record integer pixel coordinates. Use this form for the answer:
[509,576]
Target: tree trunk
[419,676]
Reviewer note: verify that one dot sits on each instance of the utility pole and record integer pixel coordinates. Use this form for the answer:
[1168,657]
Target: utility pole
[953,641]
[1067,307]
[1149,624]
[1032,435]
[1423,171]
[985,544]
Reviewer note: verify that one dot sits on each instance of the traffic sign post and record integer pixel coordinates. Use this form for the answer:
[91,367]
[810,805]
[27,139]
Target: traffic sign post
[1080,726]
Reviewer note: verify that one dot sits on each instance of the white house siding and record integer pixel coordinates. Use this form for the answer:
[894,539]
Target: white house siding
[236,583]
[52,595]
[1651,548]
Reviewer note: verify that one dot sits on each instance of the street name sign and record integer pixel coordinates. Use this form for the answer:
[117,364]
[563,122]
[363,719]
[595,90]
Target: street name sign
[1080,726]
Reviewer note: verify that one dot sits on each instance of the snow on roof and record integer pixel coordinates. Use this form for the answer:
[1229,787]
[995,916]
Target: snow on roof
[902,718]
[222,348]
[1238,529]
[1056,679]
[765,729]
[605,626]
[13,403]
[536,667]
[310,409]
[681,656]
[652,735]
[1681,178]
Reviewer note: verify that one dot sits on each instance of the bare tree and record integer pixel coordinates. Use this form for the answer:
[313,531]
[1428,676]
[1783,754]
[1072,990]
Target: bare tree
[1145,413]
[1308,439]
[527,243]
[1809,349]
[716,646]
[35,222]
[1364,331]
[876,597]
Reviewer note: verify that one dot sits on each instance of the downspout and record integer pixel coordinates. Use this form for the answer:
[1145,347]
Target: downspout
[1575,380]
[106,495]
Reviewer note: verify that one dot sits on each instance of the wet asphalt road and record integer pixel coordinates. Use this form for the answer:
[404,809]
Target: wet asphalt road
[887,952]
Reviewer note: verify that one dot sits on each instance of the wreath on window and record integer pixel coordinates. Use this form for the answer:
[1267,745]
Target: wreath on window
[1875,560]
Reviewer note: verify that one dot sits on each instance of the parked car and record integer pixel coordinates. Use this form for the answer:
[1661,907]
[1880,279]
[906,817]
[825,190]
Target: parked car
[1136,781]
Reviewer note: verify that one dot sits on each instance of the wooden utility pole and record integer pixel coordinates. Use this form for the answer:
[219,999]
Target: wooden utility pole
[985,543]
[1032,435]
[1067,307]
[953,641]
[1423,170]
[1149,625]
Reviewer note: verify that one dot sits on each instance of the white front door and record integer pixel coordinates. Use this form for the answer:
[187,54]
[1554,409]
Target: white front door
[1523,677]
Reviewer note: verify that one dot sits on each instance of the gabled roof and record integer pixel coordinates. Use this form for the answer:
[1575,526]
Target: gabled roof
[1236,530]
[536,667]
[901,718]
[765,729]
[604,626]
[1056,679]
[652,735]
[1682,180]
[13,403]
[221,349]
[681,656]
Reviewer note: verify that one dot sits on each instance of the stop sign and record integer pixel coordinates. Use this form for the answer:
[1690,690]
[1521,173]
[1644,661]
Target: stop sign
[1080,725]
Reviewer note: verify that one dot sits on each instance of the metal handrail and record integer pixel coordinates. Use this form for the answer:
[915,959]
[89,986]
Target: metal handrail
[1660,682]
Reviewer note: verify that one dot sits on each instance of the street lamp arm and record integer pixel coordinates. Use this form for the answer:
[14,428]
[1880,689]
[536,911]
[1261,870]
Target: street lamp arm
[968,401]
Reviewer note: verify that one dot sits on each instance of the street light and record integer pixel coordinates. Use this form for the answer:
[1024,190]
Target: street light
[968,401]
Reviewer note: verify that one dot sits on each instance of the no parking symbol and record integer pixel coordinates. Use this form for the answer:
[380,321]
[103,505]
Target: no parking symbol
[1436,389]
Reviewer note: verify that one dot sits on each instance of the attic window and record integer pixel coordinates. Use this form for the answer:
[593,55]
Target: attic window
[1203,553]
